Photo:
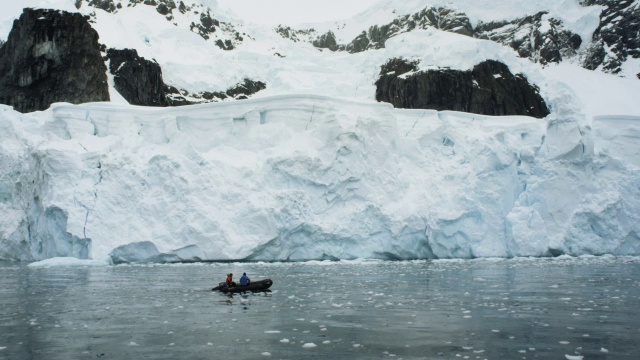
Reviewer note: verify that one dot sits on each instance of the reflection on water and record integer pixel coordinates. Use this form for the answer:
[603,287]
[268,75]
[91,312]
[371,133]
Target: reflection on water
[481,309]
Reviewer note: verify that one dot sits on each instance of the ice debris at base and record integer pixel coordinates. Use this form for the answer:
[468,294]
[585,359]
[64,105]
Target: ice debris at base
[147,252]
[574,357]
[311,177]
[67,262]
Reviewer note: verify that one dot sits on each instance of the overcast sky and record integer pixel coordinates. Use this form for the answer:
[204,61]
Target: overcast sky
[295,11]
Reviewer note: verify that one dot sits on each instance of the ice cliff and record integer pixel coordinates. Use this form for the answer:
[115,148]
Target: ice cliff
[310,177]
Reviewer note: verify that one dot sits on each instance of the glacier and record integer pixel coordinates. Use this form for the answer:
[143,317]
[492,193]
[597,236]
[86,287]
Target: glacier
[297,177]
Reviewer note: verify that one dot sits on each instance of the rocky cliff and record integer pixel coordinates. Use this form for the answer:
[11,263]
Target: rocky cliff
[137,79]
[51,56]
[227,36]
[617,36]
[489,89]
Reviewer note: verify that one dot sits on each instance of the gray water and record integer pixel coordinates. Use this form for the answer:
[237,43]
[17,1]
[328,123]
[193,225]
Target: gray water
[480,309]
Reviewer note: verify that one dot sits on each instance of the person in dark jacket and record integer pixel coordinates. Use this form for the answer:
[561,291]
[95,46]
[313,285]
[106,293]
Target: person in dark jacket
[244,280]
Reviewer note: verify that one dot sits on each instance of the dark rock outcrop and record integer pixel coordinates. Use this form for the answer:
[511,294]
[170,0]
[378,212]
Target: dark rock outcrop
[430,18]
[537,37]
[225,45]
[206,27]
[489,89]
[295,35]
[137,79]
[227,35]
[51,56]
[140,82]
[248,87]
[326,41]
[541,39]
[618,30]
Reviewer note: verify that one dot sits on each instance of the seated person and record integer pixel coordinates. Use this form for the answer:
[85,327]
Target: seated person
[230,282]
[244,280]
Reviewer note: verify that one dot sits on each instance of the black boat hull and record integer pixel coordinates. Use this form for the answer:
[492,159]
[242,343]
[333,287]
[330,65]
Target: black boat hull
[261,285]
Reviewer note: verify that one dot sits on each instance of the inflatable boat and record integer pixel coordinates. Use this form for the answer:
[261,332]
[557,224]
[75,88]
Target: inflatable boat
[254,286]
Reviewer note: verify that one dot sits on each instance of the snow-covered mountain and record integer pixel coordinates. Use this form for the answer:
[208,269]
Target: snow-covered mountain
[312,166]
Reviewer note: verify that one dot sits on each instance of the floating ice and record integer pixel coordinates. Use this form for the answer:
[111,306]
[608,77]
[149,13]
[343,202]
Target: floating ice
[67,261]
[574,357]
[309,345]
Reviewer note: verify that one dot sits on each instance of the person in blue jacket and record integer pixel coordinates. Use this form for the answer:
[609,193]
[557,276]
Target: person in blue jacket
[244,280]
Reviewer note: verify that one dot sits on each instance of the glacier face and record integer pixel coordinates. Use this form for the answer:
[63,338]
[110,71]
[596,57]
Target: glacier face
[312,177]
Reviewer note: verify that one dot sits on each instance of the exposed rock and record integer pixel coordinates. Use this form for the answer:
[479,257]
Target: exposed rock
[226,45]
[247,87]
[430,18]
[166,7]
[137,79]
[538,37]
[326,41]
[206,27]
[183,8]
[51,56]
[296,35]
[140,82]
[488,89]
[178,97]
[619,31]
[594,55]
[227,36]
[106,5]
[359,44]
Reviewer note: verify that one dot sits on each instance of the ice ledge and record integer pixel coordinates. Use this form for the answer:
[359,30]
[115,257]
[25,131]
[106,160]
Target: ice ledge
[310,177]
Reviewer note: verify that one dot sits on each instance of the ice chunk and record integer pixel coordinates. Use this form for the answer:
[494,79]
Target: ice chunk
[190,253]
[140,252]
[67,261]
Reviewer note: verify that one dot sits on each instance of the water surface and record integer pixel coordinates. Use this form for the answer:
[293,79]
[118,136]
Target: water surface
[480,309]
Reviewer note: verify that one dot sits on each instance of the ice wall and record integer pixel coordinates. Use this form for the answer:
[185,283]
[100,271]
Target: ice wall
[310,177]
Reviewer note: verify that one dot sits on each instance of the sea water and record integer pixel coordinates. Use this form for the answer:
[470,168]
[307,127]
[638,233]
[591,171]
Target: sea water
[567,308]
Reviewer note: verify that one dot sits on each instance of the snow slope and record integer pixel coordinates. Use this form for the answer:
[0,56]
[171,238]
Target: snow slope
[312,167]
